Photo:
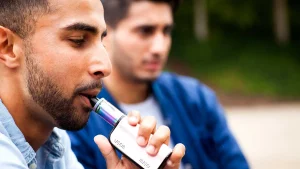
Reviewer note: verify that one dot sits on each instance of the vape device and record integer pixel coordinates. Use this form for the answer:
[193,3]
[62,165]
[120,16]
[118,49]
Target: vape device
[123,137]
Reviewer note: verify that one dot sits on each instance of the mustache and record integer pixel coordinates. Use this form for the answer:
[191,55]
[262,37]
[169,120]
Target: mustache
[88,86]
[152,59]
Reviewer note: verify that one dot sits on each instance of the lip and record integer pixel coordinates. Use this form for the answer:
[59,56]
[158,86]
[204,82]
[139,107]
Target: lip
[85,100]
[155,65]
[90,93]
[86,95]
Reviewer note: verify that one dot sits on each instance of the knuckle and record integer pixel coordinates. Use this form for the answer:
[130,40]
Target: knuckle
[149,122]
[146,127]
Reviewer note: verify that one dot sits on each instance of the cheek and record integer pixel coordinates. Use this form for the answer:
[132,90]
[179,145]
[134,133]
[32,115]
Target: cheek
[59,58]
[68,70]
[54,53]
[168,48]
[169,43]
[58,65]
[124,52]
[64,70]
[133,43]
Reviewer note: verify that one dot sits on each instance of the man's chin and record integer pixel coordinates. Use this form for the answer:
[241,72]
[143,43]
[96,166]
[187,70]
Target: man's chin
[147,78]
[76,122]
[74,127]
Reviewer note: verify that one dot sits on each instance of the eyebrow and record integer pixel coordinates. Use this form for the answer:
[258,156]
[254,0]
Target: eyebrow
[82,27]
[154,25]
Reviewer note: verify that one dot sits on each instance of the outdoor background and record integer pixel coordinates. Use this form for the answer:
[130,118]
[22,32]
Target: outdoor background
[248,52]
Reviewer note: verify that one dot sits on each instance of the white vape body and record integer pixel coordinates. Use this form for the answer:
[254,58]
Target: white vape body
[123,137]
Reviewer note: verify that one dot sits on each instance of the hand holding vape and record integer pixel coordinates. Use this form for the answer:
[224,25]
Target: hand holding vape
[123,137]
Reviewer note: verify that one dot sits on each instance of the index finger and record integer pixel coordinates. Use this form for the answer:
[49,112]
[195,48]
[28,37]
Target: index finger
[134,117]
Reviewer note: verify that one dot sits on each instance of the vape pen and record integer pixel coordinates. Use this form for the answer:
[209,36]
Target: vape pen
[123,137]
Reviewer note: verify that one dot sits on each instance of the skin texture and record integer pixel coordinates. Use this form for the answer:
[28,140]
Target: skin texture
[47,77]
[138,47]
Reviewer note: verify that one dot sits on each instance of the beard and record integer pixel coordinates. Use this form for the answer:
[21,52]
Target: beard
[49,96]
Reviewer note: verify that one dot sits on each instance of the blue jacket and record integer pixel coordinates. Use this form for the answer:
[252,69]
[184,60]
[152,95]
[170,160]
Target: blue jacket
[195,118]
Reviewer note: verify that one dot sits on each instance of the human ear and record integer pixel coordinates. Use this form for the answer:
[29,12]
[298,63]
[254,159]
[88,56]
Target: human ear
[7,44]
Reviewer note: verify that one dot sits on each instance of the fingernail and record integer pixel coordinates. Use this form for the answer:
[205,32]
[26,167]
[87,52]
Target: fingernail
[141,140]
[170,163]
[151,149]
[133,119]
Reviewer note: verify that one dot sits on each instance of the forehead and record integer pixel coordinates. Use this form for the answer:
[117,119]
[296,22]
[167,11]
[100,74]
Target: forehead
[148,12]
[67,12]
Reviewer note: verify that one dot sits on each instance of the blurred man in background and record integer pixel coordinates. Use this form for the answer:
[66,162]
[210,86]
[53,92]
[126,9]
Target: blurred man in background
[138,42]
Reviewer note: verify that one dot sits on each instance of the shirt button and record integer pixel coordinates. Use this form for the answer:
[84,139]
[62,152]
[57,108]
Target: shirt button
[32,166]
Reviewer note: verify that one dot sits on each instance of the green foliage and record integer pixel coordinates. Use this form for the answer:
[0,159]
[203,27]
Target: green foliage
[240,13]
[241,56]
[251,67]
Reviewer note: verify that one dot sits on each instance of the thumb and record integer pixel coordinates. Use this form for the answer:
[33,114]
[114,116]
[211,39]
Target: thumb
[107,151]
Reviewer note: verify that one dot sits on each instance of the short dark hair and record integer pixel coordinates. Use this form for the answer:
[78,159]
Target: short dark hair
[116,10]
[20,16]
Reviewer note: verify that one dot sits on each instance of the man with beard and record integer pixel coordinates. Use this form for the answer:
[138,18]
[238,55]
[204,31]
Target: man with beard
[52,60]
[138,42]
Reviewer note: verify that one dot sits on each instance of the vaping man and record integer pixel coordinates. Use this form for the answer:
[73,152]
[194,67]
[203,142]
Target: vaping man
[138,43]
[51,60]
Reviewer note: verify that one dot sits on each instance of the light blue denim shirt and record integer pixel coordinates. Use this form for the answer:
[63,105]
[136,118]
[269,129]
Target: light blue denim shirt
[16,153]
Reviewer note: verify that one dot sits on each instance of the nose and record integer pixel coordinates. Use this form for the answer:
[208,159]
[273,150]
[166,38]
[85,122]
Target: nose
[100,65]
[160,44]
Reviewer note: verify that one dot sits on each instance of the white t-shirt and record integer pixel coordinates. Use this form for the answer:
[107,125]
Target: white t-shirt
[149,107]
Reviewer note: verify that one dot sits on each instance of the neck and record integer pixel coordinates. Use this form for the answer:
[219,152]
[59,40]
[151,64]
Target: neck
[35,131]
[126,91]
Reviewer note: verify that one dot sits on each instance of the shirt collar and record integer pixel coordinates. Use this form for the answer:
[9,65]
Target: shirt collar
[15,134]
[53,144]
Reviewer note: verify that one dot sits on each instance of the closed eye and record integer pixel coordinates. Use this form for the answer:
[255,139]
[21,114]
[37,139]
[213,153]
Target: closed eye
[77,42]
[146,30]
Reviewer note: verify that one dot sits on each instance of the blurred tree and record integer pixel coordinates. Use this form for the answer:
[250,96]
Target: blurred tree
[201,20]
[241,56]
[242,14]
[281,21]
